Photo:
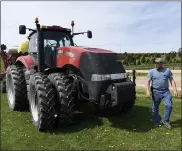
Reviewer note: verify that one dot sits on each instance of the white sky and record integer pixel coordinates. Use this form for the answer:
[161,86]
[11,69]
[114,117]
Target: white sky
[118,26]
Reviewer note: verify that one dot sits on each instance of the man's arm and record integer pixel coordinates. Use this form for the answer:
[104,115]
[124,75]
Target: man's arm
[148,86]
[173,83]
[149,77]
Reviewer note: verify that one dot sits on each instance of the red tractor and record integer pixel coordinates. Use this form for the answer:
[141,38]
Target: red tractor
[56,75]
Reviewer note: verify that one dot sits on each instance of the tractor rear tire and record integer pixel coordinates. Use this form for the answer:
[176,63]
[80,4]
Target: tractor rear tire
[42,102]
[16,88]
[3,85]
[65,98]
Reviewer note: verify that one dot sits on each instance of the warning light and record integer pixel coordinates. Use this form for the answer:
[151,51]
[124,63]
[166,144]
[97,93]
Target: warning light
[36,20]
[72,23]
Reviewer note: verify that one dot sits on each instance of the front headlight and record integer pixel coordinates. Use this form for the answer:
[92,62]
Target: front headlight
[104,77]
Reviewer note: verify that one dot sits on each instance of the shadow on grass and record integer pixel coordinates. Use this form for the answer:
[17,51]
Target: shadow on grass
[138,120]
[84,118]
[177,123]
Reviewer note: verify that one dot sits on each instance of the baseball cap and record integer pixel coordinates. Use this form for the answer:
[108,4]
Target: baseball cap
[159,60]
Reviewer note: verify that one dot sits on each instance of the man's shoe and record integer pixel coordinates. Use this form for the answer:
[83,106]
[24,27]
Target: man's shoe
[156,125]
[166,124]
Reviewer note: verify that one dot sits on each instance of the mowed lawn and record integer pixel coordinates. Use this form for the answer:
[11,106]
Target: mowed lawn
[131,131]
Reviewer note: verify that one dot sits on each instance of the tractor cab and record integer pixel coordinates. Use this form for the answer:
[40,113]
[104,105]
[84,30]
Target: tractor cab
[44,41]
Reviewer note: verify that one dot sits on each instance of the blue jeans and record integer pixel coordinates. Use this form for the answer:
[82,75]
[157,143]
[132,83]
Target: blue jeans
[157,96]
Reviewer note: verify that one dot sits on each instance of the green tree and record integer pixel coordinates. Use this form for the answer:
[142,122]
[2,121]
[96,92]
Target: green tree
[138,63]
[138,55]
[135,62]
[170,61]
[143,60]
[125,62]
[180,52]
[152,60]
[147,60]
[167,58]
[157,55]
[131,59]
[172,54]
[178,61]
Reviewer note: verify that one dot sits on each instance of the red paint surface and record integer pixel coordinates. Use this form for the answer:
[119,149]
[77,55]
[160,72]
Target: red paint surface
[63,59]
[26,60]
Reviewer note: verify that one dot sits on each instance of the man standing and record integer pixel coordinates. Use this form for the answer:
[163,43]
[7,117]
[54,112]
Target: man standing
[159,89]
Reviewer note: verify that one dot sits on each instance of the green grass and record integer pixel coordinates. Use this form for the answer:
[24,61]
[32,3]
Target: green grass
[132,131]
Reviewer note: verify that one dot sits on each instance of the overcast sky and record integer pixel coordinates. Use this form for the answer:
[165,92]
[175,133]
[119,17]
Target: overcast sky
[118,26]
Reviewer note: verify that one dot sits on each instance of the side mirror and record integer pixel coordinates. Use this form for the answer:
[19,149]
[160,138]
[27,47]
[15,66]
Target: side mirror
[3,47]
[22,29]
[89,34]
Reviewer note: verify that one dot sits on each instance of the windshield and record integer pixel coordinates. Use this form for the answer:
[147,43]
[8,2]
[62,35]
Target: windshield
[55,39]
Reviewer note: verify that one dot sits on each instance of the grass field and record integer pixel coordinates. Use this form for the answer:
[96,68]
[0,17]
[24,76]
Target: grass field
[132,131]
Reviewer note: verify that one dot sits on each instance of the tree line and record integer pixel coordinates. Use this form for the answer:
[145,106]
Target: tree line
[149,58]
[143,58]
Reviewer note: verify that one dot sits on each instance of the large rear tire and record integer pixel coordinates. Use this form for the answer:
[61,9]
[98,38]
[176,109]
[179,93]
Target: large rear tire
[42,102]
[16,88]
[65,98]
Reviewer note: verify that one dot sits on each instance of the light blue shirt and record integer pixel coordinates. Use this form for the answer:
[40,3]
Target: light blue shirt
[160,78]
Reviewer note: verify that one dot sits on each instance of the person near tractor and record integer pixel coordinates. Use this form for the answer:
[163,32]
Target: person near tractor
[158,89]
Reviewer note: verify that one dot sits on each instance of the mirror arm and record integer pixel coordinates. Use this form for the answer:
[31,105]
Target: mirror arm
[78,33]
[31,29]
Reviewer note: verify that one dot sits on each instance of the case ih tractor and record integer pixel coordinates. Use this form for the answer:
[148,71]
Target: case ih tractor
[56,75]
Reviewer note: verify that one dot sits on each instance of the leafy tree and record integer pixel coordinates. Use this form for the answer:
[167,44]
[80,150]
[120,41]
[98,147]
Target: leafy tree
[174,60]
[167,58]
[131,59]
[138,55]
[157,55]
[138,63]
[125,62]
[152,60]
[180,52]
[143,60]
[170,61]
[178,61]
[147,60]
[135,62]
[172,54]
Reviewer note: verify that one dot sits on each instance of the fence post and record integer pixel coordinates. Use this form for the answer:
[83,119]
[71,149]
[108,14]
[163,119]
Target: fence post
[134,76]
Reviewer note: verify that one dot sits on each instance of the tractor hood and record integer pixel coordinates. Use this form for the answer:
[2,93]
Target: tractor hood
[78,50]
[90,60]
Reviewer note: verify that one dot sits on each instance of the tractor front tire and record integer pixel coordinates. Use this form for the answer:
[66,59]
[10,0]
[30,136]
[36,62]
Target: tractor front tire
[65,99]
[16,88]
[42,102]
